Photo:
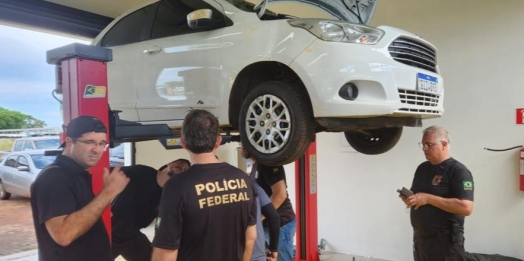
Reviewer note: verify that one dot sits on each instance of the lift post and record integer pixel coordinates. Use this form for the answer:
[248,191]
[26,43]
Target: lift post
[306,207]
[82,81]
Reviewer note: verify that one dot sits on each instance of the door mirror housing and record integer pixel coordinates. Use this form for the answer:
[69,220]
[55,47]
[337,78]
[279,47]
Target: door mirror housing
[201,19]
[22,168]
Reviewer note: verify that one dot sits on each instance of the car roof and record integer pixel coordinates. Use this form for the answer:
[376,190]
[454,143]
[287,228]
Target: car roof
[39,138]
[26,152]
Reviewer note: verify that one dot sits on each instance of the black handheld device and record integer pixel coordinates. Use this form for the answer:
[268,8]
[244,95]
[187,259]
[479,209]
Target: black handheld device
[405,192]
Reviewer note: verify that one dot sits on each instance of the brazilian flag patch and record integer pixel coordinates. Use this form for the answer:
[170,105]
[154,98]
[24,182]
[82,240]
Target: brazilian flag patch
[468,185]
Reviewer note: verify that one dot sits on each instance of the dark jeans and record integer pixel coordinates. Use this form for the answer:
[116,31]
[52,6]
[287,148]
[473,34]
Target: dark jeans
[137,249]
[443,247]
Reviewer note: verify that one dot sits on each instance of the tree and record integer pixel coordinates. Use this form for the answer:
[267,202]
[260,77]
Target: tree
[16,120]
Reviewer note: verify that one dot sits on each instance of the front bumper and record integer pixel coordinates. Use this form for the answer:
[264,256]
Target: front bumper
[386,87]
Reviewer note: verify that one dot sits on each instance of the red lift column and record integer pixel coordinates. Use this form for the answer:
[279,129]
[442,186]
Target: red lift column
[82,81]
[306,206]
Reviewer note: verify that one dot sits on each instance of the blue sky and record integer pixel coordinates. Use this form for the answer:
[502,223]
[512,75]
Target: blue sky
[26,80]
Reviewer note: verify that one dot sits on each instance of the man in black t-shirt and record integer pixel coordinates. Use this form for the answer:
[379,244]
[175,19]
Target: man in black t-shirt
[443,196]
[207,212]
[137,206]
[273,181]
[66,213]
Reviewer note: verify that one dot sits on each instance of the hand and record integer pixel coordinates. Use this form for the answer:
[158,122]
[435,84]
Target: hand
[417,200]
[273,256]
[115,182]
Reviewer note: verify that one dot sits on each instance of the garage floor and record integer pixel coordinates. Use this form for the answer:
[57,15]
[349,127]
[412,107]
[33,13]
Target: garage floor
[17,235]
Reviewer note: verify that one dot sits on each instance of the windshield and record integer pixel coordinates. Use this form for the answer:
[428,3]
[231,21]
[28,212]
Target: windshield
[344,10]
[47,144]
[42,161]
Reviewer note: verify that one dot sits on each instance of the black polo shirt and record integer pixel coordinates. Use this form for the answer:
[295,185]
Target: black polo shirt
[137,205]
[205,211]
[266,177]
[449,179]
[62,188]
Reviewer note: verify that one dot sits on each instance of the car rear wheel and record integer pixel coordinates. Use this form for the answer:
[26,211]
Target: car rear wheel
[3,194]
[276,123]
[374,141]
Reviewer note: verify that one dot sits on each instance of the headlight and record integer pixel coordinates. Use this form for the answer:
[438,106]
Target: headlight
[339,31]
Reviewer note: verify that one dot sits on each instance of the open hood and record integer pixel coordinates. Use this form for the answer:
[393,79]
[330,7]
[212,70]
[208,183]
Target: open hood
[345,10]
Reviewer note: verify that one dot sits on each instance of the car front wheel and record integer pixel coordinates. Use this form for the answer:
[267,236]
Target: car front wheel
[3,194]
[276,123]
[374,141]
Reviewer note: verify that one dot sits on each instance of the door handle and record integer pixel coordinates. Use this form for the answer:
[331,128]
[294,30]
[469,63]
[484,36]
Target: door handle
[153,50]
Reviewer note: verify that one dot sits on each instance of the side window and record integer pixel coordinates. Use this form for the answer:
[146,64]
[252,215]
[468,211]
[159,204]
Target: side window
[19,145]
[11,161]
[22,161]
[128,29]
[28,145]
[171,17]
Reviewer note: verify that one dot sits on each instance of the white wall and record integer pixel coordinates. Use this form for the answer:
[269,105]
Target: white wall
[480,58]
[480,54]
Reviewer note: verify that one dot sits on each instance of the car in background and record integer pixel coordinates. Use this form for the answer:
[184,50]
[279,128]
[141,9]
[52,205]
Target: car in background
[18,171]
[36,143]
[116,155]
[275,76]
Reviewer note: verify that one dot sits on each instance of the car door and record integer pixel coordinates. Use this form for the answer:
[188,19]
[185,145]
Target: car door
[123,75]
[24,179]
[9,171]
[180,68]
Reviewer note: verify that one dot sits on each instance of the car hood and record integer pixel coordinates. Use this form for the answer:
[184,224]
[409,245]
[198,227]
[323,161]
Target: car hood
[345,10]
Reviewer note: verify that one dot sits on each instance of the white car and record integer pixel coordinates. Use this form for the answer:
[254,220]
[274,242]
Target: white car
[18,171]
[276,78]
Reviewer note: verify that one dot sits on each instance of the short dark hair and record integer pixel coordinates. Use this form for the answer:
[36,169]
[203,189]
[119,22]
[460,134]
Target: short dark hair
[200,131]
[183,160]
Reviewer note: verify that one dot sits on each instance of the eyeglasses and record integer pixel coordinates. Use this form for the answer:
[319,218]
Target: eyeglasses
[427,145]
[93,143]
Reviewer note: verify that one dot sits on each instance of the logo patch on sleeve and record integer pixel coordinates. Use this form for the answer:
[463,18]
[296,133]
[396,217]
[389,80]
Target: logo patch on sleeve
[468,185]
[158,221]
[275,170]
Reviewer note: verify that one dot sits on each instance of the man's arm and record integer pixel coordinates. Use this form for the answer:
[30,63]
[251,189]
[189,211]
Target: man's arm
[251,236]
[273,219]
[160,254]
[67,228]
[451,205]
[279,193]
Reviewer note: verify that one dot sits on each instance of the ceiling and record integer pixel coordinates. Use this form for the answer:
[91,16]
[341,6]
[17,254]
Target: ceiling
[77,18]
[109,8]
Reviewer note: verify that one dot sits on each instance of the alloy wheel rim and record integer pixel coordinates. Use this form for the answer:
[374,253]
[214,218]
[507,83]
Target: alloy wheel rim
[268,124]
[2,190]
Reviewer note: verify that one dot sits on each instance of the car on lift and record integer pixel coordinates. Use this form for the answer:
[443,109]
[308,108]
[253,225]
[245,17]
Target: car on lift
[277,73]
[18,171]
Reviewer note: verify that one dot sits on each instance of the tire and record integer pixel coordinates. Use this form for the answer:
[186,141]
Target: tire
[374,141]
[276,123]
[3,194]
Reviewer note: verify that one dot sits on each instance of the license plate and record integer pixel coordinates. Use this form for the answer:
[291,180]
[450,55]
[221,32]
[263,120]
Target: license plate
[426,83]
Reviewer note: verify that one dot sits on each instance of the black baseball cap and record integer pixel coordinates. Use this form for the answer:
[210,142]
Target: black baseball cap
[83,124]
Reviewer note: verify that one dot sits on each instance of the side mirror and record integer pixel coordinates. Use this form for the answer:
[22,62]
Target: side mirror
[200,19]
[22,168]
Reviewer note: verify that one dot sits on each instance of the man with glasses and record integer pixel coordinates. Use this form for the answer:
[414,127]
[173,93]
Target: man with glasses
[443,196]
[137,206]
[66,213]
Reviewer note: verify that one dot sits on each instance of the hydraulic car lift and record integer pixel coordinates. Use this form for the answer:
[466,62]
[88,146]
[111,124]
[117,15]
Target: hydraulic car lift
[82,81]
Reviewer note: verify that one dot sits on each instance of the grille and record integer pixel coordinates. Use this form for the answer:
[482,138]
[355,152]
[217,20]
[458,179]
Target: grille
[414,54]
[419,99]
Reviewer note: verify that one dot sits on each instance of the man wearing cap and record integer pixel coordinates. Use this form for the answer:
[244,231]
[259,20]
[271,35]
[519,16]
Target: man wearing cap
[66,213]
[137,206]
